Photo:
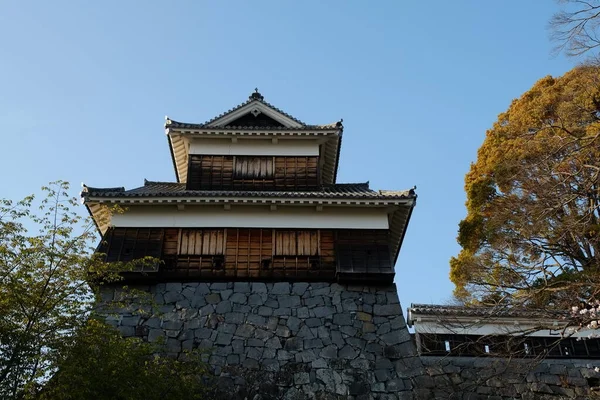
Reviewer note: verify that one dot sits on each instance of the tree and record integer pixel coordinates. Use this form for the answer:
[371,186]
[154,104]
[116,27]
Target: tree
[532,231]
[50,278]
[44,295]
[575,28]
[100,364]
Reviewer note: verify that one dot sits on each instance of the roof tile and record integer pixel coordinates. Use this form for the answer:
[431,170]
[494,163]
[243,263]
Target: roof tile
[174,189]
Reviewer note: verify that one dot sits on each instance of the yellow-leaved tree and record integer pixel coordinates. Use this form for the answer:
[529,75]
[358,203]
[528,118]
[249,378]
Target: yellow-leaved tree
[532,233]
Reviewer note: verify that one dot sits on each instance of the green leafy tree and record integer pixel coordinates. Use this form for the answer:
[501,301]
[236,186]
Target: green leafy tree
[100,364]
[532,231]
[45,264]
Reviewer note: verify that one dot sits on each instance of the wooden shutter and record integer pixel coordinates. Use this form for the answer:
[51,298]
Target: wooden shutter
[253,167]
[296,243]
[285,243]
[308,243]
[201,242]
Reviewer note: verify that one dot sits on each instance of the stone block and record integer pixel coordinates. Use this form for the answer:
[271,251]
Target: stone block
[342,319]
[294,344]
[224,339]
[223,307]
[363,316]
[173,325]
[250,363]
[349,305]
[301,378]
[347,352]
[171,296]
[299,288]
[234,318]
[212,298]
[130,321]
[281,288]
[256,299]
[550,379]
[323,311]
[282,312]
[273,343]
[259,287]
[387,310]
[270,365]
[283,331]
[238,298]
[313,343]
[329,352]
[302,312]
[539,387]
[173,287]
[265,311]
[255,343]
[245,330]
[155,335]
[127,331]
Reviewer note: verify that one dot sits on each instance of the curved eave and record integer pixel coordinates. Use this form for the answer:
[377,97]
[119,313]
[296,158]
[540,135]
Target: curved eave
[179,145]
[399,209]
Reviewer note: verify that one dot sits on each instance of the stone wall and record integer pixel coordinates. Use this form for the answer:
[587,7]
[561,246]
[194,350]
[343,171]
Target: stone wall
[324,341]
[502,379]
[283,340]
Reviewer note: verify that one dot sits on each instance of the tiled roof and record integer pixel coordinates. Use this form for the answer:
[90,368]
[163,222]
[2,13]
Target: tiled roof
[459,311]
[185,125]
[254,97]
[173,189]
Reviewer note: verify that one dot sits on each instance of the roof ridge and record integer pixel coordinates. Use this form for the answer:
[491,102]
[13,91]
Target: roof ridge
[88,189]
[365,184]
[254,97]
[149,182]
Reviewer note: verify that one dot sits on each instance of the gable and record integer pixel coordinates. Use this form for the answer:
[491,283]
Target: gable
[256,111]
[256,119]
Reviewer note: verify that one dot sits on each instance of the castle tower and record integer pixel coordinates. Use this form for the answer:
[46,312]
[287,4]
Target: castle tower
[285,275]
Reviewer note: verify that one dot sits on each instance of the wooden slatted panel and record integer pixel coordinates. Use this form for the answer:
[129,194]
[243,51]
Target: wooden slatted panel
[327,248]
[202,242]
[253,167]
[308,243]
[285,243]
[296,172]
[170,241]
[209,172]
[246,252]
[248,173]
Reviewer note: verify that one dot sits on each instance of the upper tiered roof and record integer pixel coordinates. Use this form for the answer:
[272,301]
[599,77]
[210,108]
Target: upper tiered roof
[254,119]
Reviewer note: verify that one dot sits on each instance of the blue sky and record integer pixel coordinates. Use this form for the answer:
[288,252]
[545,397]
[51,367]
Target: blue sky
[85,86]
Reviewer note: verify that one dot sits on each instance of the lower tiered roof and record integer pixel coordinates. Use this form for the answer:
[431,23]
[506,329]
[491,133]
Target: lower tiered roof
[174,189]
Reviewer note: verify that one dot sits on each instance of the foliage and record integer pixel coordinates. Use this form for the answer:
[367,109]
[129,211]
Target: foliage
[532,230]
[45,261]
[575,28]
[101,365]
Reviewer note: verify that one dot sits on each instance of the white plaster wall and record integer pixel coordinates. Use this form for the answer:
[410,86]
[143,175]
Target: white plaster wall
[255,147]
[243,216]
